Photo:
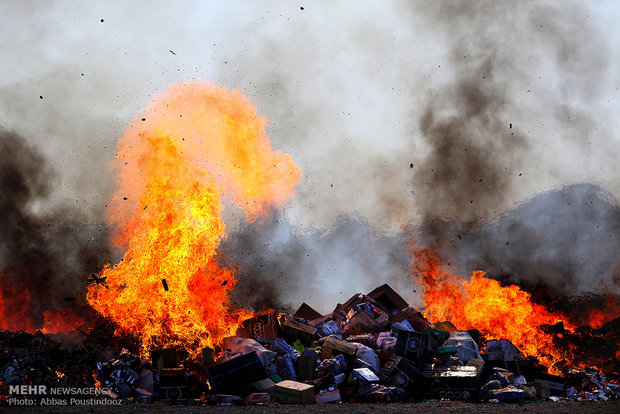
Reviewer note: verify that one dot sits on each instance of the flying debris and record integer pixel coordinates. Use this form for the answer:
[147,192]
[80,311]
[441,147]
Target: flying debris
[172,52]
[98,280]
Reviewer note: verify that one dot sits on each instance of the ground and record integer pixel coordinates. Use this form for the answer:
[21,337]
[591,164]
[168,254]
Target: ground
[443,407]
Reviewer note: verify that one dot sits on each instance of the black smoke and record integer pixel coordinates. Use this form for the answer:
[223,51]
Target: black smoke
[48,253]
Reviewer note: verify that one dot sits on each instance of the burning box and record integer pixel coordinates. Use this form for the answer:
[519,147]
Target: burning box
[415,345]
[265,326]
[453,383]
[293,392]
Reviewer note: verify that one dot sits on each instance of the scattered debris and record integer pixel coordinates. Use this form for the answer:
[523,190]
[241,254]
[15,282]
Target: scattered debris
[373,348]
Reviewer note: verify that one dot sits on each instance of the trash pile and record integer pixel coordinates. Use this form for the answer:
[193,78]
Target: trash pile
[373,348]
[39,359]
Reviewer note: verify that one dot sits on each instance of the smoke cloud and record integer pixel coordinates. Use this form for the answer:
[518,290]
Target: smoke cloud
[45,256]
[451,117]
[282,266]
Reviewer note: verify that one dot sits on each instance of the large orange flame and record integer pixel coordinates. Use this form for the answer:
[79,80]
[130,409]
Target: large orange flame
[499,312]
[187,149]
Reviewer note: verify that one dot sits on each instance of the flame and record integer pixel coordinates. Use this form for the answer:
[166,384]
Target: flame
[63,321]
[499,312]
[187,150]
[19,313]
[15,307]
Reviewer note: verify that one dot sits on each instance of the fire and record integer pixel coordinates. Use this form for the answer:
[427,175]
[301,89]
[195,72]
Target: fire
[15,307]
[499,312]
[184,153]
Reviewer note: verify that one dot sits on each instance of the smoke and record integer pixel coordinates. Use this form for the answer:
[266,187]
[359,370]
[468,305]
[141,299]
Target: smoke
[559,243]
[470,167]
[485,151]
[395,114]
[282,266]
[45,256]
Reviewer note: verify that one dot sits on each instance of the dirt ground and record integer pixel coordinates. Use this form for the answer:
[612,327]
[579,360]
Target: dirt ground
[443,407]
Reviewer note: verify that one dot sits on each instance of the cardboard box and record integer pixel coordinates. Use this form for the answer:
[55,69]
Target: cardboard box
[265,326]
[387,299]
[364,375]
[415,319]
[415,345]
[452,383]
[306,364]
[502,350]
[293,392]
[325,397]
[306,312]
[334,344]
[555,384]
[293,330]
[264,385]
[400,372]
[236,372]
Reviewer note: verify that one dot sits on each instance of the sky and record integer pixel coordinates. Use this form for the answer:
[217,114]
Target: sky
[394,110]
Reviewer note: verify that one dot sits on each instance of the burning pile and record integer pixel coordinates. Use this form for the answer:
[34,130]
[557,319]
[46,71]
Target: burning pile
[374,347]
[188,150]
[198,148]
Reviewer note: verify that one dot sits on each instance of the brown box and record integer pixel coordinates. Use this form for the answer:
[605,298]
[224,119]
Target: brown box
[502,350]
[415,318]
[543,390]
[264,385]
[306,312]
[297,330]
[388,299]
[293,392]
[265,326]
[333,344]
[445,326]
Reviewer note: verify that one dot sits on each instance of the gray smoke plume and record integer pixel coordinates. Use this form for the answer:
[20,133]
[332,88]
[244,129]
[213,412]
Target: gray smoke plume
[47,255]
[564,241]
[281,266]
[479,128]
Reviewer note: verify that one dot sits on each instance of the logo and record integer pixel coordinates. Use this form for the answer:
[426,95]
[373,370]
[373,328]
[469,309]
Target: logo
[413,344]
